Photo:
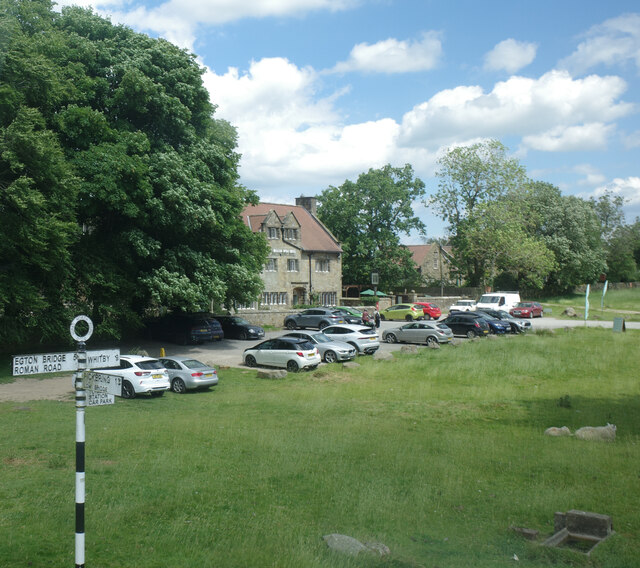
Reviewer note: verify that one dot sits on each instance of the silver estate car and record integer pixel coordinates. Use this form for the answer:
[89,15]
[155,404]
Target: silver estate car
[330,349]
[419,332]
[363,338]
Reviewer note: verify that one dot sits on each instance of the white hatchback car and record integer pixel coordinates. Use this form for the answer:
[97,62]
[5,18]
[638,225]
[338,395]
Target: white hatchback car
[363,338]
[140,375]
[463,306]
[290,353]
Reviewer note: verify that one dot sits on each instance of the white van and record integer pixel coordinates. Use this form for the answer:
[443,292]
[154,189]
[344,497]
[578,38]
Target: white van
[498,300]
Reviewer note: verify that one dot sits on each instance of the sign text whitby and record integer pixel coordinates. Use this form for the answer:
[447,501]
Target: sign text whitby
[58,362]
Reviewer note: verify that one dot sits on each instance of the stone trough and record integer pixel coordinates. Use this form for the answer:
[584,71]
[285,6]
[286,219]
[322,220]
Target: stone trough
[580,530]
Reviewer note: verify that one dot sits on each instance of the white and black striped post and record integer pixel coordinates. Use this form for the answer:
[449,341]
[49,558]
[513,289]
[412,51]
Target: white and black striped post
[81,403]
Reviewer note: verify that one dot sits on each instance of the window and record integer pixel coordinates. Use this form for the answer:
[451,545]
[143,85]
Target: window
[435,263]
[271,265]
[322,265]
[272,232]
[274,298]
[329,298]
[291,234]
[292,265]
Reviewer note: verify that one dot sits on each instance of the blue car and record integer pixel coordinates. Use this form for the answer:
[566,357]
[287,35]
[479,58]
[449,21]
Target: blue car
[496,325]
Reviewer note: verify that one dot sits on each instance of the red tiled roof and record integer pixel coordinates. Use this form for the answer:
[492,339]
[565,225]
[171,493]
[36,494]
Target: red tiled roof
[314,235]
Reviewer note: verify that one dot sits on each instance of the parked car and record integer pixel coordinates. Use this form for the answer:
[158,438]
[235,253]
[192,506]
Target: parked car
[363,338]
[469,324]
[186,373]
[463,306]
[527,310]
[216,328]
[496,326]
[431,311]
[235,327]
[350,315]
[290,353]
[330,349]
[517,325]
[140,375]
[418,332]
[317,318]
[408,312]
[180,329]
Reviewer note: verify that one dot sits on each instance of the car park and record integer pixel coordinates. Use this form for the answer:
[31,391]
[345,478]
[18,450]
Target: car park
[290,353]
[468,324]
[330,349]
[407,312]
[496,326]
[431,311]
[517,325]
[140,375]
[181,329]
[418,332]
[187,373]
[235,327]
[363,338]
[316,318]
[463,306]
[527,310]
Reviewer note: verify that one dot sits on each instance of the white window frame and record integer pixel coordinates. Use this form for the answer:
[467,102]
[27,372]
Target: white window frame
[271,265]
[272,232]
[323,265]
[293,265]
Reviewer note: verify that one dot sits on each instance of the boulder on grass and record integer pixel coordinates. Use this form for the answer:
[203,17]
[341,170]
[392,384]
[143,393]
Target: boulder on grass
[272,374]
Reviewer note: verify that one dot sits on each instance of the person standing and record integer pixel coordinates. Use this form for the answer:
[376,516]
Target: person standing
[376,318]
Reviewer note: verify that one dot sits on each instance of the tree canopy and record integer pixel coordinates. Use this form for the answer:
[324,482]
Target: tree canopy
[119,189]
[368,217]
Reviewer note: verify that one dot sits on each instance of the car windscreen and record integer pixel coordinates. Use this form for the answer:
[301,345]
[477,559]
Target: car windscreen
[194,364]
[321,338]
[489,299]
[442,326]
[240,321]
[150,364]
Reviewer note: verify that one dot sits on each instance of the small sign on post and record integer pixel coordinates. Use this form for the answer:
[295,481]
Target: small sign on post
[619,325]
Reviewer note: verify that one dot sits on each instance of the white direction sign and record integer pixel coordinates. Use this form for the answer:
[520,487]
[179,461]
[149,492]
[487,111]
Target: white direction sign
[103,383]
[99,398]
[58,362]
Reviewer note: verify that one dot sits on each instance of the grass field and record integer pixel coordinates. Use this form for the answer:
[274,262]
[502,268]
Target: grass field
[617,303]
[435,455]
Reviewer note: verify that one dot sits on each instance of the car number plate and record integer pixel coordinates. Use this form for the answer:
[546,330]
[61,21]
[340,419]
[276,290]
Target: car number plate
[208,375]
[157,376]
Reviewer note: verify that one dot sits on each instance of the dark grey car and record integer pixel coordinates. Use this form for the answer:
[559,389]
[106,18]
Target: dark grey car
[317,318]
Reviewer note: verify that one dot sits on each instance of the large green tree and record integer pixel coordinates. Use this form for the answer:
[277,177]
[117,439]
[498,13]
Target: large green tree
[471,177]
[119,188]
[368,217]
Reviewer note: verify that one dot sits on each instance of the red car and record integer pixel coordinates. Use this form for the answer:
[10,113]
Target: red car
[431,311]
[527,310]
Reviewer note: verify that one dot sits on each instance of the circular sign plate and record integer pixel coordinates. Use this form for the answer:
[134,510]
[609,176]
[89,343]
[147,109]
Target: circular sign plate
[75,322]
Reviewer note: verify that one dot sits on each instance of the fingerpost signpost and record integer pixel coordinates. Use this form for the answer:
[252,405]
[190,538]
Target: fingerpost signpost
[91,388]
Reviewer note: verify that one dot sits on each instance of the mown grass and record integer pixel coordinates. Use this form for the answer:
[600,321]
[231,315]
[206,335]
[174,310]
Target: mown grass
[617,303]
[436,455]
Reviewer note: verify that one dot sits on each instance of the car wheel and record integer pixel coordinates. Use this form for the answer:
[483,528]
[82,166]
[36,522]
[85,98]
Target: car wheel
[382,317]
[250,361]
[330,357]
[177,385]
[471,334]
[322,325]
[127,390]
[243,334]
[426,316]
[408,317]
[292,366]
[391,338]
[291,325]
[431,341]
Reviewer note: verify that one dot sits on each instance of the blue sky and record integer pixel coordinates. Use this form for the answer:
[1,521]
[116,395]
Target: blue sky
[322,90]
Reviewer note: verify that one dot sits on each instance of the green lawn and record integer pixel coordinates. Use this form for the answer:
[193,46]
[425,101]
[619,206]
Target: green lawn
[617,303]
[436,455]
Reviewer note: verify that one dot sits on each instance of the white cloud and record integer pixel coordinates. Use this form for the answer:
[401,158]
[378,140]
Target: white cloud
[590,176]
[394,56]
[591,136]
[614,42]
[510,55]
[179,20]
[517,107]
[627,188]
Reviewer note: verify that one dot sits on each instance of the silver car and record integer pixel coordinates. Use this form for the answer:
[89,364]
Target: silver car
[330,349]
[186,373]
[419,332]
[363,338]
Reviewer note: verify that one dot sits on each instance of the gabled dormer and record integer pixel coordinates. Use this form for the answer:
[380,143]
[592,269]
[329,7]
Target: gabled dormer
[291,228]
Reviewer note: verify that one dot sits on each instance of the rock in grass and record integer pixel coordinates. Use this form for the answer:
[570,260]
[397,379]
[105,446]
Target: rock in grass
[382,356]
[344,544]
[272,374]
[409,349]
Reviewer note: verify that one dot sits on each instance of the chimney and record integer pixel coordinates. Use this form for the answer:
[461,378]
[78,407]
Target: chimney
[309,203]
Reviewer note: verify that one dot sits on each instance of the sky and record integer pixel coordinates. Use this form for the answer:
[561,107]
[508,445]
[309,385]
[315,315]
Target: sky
[321,91]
